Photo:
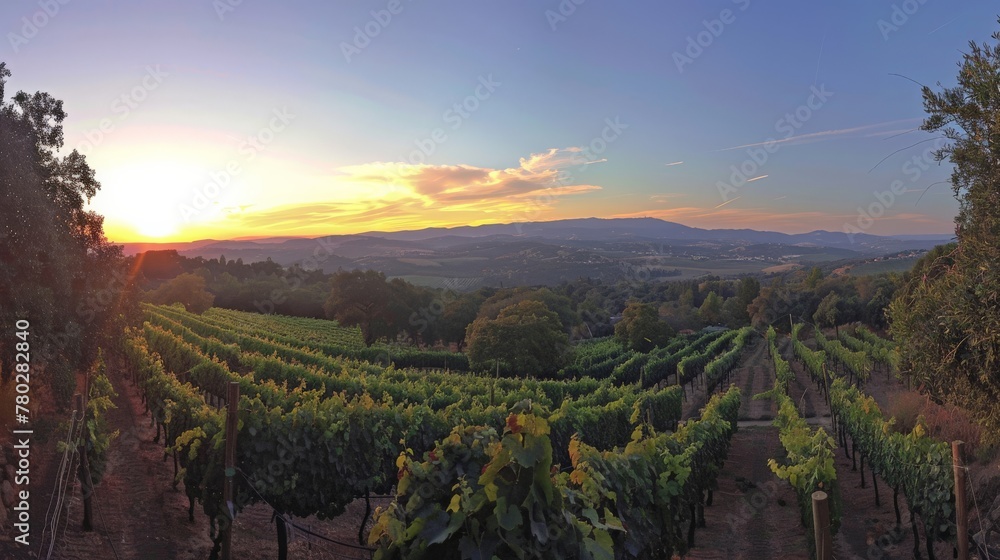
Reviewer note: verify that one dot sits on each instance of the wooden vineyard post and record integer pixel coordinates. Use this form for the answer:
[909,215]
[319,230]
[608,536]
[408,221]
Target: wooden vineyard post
[232,426]
[961,521]
[86,482]
[821,526]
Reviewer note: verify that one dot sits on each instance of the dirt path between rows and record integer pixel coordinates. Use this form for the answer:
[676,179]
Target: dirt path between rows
[753,374]
[757,376]
[754,515]
[137,513]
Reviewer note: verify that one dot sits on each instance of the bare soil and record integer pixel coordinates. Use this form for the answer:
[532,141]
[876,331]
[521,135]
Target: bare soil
[754,515]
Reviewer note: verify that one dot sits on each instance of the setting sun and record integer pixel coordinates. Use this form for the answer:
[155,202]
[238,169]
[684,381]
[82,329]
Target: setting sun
[156,226]
[147,199]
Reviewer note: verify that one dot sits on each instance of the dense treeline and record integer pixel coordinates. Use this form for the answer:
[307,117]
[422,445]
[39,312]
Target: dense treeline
[393,310]
[58,272]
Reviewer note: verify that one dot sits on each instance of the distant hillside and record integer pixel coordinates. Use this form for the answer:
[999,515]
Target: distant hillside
[551,252]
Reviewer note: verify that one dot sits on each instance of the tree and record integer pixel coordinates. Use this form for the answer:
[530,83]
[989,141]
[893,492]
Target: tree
[734,313]
[458,314]
[711,309]
[57,269]
[641,328]
[828,312]
[947,317]
[747,291]
[525,337]
[360,297]
[407,301]
[561,305]
[815,275]
[764,308]
[187,289]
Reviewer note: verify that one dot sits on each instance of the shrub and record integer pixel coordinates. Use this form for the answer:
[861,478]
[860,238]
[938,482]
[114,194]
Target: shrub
[943,422]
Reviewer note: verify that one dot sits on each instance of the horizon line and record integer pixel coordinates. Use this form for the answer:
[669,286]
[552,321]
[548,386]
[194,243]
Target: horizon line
[374,233]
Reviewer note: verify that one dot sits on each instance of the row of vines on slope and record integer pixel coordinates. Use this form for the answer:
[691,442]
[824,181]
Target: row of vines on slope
[809,464]
[313,452]
[912,463]
[917,465]
[594,409]
[856,365]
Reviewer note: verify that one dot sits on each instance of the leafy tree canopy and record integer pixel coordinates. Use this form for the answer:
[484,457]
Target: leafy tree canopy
[57,270]
[947,319]
[640,328]
[525,337]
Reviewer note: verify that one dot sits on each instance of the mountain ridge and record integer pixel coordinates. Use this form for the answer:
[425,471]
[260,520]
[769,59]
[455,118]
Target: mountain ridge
[571,228]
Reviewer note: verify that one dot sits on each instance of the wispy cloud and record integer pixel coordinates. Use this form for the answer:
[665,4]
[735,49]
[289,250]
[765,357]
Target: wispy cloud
[818,136]
[665,197]
[674,163]
[727,202]
[891,133]
[386,195]
[949,22]
[757,178]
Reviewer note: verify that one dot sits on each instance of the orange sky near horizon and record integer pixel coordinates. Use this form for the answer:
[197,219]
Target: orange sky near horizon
[238,201]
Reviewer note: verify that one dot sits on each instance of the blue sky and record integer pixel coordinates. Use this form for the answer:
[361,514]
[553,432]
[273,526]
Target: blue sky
[229,118]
